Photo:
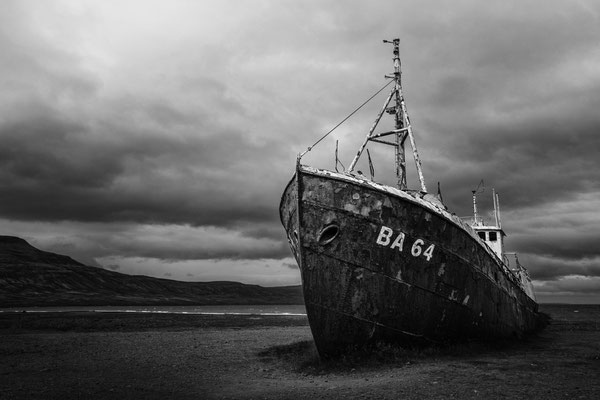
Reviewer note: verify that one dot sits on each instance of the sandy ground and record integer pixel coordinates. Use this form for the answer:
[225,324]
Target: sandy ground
[132,357]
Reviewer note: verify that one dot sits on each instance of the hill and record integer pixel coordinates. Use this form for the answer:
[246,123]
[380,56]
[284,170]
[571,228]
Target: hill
[32,277]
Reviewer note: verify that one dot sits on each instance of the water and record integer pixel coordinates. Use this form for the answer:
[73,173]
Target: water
[570,312]
[205,310]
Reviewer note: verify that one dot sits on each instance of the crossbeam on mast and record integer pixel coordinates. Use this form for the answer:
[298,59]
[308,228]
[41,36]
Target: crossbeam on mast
[384,142]
[394,132]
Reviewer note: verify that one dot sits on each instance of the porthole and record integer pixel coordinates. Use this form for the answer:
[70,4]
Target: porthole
[328,234]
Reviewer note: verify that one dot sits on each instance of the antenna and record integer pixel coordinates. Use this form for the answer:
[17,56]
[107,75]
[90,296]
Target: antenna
[497,209]
[479,189]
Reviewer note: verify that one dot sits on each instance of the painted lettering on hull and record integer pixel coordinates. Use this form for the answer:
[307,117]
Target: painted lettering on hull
[387,237]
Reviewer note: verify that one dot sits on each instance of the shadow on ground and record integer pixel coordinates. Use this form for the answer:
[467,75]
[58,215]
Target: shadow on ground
[303,357]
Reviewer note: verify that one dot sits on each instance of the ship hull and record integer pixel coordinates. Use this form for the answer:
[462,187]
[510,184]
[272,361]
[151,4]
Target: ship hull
[379,264]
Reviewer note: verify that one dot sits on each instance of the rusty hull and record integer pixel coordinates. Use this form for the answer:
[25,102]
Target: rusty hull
[358,289]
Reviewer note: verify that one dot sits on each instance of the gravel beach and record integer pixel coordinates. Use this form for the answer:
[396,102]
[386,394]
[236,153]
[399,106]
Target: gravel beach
[132,356]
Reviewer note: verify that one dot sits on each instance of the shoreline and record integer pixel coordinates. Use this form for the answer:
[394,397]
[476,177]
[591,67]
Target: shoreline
[149,312]
[89,321]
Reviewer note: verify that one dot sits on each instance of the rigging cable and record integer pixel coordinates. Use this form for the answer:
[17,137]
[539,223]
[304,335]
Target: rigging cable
[344,120]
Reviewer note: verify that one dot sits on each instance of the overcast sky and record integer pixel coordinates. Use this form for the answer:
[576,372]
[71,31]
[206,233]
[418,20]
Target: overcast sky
[156,137]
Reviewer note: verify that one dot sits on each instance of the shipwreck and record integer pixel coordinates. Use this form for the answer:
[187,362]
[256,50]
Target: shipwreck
[383,263]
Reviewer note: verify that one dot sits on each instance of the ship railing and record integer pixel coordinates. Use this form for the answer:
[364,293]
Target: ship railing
[514,266]
[511,261]
[473,221]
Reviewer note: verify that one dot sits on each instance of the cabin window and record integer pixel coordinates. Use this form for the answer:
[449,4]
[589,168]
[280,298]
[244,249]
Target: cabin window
[481,235]
[493,236]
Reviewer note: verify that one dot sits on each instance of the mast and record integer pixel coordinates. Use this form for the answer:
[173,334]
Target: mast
[399,117]
[402,129]
[475,216]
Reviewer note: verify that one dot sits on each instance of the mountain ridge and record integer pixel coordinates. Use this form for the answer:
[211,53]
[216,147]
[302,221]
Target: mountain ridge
[30,277]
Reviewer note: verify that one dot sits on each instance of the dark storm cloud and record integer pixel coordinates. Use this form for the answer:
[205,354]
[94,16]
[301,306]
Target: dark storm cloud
[53,170]
[262,230]
[552,268]
[44,152]
[212,245]
[537,162]
[572,244]
[574,286]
